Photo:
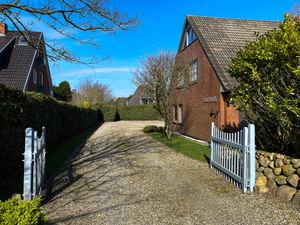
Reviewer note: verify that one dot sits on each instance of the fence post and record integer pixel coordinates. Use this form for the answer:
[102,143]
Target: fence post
[44,151]
[34,174]
[251,157]
[28,164]
[245,157]
[211,143]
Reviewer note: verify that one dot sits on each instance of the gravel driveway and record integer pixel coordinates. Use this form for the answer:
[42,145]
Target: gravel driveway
[122,176]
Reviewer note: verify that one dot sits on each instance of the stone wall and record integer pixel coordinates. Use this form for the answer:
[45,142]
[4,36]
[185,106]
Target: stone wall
[279,175]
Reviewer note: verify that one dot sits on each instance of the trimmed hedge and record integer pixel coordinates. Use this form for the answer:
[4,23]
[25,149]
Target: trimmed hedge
[17,211]
[19,110]
[139,112]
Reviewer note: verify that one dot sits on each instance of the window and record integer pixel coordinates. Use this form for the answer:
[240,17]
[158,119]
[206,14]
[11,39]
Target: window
[23,40]
[174,113]
[179,114]
[34,76]
[41,78]
[180,79]
[189,37]
[194,71]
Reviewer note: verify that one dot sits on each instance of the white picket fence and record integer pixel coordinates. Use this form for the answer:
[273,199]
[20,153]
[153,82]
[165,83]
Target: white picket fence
[233,156]
[34,162]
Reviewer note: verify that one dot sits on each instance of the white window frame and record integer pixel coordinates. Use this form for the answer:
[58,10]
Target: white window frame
[194,70]
[175,113]
[180,113]
[34,76]
[41,78]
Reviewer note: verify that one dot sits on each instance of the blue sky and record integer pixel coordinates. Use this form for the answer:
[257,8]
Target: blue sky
[160,28]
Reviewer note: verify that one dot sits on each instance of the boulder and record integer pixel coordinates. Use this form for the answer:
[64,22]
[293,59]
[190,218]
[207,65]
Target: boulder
[271,165]
[280,180]
[279,156]
[286,161]
[272,156]
[261,169]
[277,171]
[261,189]
[293,180]
[279,163]
[268,172]
[285,193]
[296,163]
[263,161]
[271,185]
[288,170]
[296,199]
[261,181]
[298,171]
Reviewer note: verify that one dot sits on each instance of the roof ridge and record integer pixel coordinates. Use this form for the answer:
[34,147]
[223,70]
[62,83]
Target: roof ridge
[238,19]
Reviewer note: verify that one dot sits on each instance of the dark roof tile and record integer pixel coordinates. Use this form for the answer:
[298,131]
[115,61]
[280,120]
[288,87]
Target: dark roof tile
[221,39]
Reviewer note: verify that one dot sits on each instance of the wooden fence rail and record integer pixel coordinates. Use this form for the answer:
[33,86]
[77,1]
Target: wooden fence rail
[34,162]
[233,156]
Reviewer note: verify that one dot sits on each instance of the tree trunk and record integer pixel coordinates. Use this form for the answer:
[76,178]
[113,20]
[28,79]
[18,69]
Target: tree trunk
[168,129]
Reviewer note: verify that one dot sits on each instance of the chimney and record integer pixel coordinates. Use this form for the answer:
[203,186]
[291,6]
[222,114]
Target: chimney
[3,29]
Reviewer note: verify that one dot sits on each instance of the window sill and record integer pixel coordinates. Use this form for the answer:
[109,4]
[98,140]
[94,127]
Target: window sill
[193,82]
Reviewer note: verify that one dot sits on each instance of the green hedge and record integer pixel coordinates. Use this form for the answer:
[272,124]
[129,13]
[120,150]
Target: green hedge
[18,111]
[17,211]
[139,112]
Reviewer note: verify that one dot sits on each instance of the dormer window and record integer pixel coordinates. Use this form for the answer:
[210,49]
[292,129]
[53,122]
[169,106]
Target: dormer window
[23,40]
[189,36]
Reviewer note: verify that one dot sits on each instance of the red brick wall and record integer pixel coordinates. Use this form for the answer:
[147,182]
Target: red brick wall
[34,87]
[196,113]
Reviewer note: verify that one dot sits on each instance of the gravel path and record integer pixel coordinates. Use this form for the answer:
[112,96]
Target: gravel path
[122,176]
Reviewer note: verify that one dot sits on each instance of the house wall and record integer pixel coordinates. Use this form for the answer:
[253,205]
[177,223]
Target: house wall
[198,98]
[46,85]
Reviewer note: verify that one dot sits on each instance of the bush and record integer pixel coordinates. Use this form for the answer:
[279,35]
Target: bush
[18,111]
[23,212]
[150,129]
[139,112]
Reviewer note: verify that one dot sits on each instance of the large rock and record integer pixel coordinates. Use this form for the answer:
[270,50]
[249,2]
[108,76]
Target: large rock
[296,163]
[280,180]
[277,171]
[268,172]
[293,180]
[261,169]
[271,164]
[261,189]
[286,161]
[288,170]
[279,156]
[279,163]
[261,181]
[285,193]
[271,185]
[298,171]
[263,161]
[296,199]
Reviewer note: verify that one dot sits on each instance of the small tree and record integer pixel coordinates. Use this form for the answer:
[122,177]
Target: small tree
[156,77]
[92,92]
[63,91]
[268,73]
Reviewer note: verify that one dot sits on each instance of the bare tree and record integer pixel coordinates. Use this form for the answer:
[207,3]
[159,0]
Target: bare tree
[67,17]
[92,92]
[158,75]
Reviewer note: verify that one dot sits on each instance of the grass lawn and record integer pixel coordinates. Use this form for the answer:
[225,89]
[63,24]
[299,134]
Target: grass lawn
[55,157]
[185,146]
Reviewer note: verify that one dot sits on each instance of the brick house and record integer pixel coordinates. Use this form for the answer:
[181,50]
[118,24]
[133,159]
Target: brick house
[139,97]
[23,66]
[208,45]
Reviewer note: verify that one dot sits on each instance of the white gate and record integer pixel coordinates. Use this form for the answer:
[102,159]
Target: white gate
[34,162]
[233,156]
